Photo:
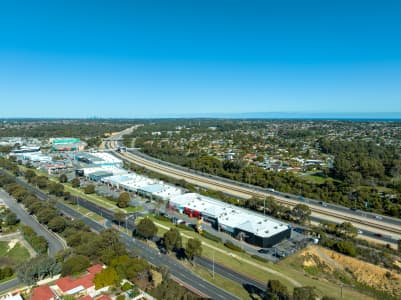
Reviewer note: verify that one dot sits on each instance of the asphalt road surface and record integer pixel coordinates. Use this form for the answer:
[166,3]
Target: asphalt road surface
[9,285]
[55,245]
[157,259]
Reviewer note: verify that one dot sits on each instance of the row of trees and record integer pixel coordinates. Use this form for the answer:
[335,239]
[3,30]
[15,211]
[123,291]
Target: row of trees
[87,248]
[278,291]
[78,128]
[172,240]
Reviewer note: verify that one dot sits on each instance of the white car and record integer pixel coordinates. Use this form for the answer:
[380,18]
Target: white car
[378,217]
[360,231]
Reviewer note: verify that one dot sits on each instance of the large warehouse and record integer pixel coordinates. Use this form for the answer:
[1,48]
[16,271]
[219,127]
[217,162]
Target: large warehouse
[243,224]
[101,159]
[143,186]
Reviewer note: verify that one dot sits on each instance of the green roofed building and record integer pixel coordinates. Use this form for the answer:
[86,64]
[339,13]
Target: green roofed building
[58,141]
[67,144]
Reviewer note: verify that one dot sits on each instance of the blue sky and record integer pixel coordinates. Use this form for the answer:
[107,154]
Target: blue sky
[163,58]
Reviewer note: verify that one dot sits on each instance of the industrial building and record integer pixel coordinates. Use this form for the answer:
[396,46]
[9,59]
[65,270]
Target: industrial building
[25,149]
[98,175]
[254,228]
[36,156]
[101,159]
[128,182]
[111,170]
[143,186]
[159,191]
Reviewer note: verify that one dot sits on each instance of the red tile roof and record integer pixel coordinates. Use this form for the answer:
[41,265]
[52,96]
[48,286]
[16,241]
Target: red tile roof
[104,297]
[67,283]
[86,298]
[95,269]
[42,293]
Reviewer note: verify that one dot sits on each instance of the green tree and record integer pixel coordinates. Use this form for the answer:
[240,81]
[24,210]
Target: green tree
[39,243]
[63,178]
[46,214]
[194,248]
[37,269]
[130,268]
[276,290]
[34,207]
[119,217]
[11,219]
[56,189]
[304,293]
[29,175]
[57,224]
[146,228]
[346,229]
[107,277]
[110,246]
[172,239]
[75,264]
[345,247]
[40,181]
[123,200]
[75,182]
[301,213]
[89,189]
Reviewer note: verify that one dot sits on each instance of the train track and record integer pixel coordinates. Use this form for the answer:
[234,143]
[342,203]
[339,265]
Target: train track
[250,193]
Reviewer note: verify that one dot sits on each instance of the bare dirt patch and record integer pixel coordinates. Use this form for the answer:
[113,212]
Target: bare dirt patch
[322,260]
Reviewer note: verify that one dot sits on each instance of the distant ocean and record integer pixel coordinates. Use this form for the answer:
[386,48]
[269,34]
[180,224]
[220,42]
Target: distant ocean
[357,117]
[388,117]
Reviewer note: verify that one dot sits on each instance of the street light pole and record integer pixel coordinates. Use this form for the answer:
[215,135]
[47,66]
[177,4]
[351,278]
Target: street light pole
[213,264]
[264,206]
[126,221]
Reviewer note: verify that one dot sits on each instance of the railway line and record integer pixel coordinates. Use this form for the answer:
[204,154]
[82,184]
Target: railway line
[248,193]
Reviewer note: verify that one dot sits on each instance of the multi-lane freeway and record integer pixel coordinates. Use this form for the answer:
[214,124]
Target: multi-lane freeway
[378,227]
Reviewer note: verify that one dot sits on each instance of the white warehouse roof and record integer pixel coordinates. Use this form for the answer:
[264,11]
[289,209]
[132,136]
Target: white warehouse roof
[106,157]
[231,216]
[111,169]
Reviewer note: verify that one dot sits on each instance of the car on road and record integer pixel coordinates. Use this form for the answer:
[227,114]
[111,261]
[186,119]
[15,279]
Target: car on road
[279,254]
[323,203]
[378,234]
[360,231]
[264,251]
[378,217]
